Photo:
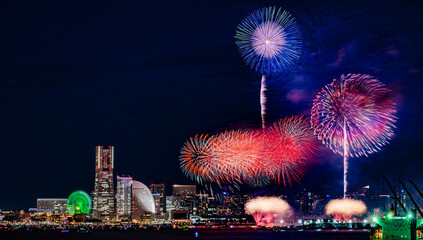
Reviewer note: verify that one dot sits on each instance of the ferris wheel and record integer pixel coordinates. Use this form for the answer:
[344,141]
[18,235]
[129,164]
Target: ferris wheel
[79,202]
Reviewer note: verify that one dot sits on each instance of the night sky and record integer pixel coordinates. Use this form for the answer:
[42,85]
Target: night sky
[144,76]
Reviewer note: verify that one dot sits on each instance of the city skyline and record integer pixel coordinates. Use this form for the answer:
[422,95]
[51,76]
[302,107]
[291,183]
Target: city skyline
[145,80]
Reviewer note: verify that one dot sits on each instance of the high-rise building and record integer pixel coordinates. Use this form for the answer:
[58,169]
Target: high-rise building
[123,197]
[57,205]
[184,190]
[103,195]
[159,189]
[305,202]
[156,198]
[206,205]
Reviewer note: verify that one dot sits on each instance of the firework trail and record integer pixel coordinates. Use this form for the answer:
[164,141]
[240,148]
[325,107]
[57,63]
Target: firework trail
[266,207]
[353,116]
[269,41]
[345,208]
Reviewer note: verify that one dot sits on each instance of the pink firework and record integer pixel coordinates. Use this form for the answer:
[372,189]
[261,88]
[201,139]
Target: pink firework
[354,116]
[267,207]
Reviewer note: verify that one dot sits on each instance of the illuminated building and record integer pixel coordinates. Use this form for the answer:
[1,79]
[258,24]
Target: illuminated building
[306,200]
[237,204]
[319,203]
[156,198]
[206,205]
[123,197]
[160,189]
[184,190]
[403,197]
[142,201]
[232,205]
[57,205]
[103,195]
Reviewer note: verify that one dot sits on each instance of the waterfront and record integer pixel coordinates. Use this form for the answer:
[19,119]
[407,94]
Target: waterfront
[201,234]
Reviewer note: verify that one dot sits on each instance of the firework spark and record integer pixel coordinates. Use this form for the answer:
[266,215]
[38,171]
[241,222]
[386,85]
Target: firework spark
[345,209]
[269,41]
[353,116]
[267,207]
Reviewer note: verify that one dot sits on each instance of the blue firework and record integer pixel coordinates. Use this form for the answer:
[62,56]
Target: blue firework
[269,40]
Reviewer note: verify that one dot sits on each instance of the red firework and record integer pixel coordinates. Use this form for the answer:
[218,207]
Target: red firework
[251,156]
[196,161]
[237,152]
[291,143]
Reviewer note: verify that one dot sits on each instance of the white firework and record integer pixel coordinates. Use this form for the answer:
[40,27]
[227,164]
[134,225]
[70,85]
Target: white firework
[268,39]
[345,208]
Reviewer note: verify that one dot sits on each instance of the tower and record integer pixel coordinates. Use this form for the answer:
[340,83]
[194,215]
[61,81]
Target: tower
[123,197]
[160,189]
[103,195]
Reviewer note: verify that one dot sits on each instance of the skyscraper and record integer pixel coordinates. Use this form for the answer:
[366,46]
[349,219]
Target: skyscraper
[160,189]
[103,195]
[123,197]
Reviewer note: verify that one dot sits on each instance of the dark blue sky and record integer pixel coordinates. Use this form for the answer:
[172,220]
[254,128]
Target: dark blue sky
[145,76]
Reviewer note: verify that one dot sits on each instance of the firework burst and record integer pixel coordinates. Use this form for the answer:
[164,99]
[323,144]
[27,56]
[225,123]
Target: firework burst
[269,41]
[292,144]
[353,116]
[236,153]
[345,209]
[195,159]
[266,207]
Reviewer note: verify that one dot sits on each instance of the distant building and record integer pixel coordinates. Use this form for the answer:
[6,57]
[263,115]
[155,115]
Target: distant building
[156,198]
[319,203]
[103,195]
[402,195]
[237,204]
[184,190]
[57,205]
[123,197]
[142,205]
[223,206]
[204,205]
[160,189]
[379,203]
[304,203]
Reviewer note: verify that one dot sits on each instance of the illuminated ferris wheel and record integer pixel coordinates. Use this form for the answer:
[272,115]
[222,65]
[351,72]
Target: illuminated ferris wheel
[79,202]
